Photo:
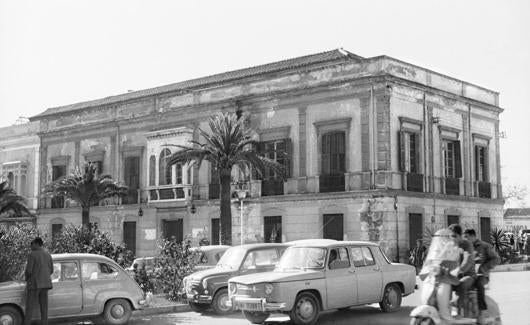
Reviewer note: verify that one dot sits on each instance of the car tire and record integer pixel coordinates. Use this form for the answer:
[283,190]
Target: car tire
[256,317]
[421,321]
[392,297]
[219,301]
[306,309]
[199,308]
[10,315]
[117,312]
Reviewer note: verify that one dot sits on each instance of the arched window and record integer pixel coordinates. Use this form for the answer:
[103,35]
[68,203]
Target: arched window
[152,170]
[11,180]
[164,173]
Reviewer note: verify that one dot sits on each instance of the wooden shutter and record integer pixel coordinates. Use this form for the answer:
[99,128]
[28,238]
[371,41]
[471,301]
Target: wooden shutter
[402,157]
[477,163]
[288,157]
[458,160]
[325,157]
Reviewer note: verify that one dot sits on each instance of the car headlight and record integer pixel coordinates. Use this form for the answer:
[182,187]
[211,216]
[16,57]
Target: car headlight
[205,284]
[269,288]
[232,287]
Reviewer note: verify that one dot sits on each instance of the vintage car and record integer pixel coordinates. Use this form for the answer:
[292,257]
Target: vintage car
[317,275]
[84,286]
[209,288]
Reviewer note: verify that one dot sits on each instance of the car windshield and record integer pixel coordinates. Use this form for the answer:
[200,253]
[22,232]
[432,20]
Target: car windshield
[232,258]
[302,258]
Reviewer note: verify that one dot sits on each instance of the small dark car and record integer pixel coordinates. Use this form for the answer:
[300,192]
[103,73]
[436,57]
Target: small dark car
[209,288]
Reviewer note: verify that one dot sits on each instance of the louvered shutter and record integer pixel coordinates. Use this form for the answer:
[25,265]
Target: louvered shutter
[458,160]
[402,157]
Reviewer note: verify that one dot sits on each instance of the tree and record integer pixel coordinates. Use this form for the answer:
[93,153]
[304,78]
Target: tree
[228,144]
[515,195]
[85,188]
[12,203]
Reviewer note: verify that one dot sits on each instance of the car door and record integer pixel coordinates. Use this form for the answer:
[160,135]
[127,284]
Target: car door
[66,297]
[369,275]
[341,279]
[99,278]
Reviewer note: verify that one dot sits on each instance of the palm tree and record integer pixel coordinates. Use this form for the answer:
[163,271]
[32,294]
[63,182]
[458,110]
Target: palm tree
[229,144]
[85,188]
[11,202]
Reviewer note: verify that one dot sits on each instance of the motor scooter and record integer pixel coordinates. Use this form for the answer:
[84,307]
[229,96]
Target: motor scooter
[436,291]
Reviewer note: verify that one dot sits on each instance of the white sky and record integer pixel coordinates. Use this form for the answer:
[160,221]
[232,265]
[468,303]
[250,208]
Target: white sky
[60,52]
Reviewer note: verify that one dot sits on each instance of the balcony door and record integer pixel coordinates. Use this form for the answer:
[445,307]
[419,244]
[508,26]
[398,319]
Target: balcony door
[132,179]
[333,162]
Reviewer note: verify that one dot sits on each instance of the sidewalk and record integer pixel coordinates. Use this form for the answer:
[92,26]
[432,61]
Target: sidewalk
[160,305]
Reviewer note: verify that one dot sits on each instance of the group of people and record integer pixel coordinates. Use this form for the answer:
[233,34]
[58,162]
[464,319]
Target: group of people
[477,259]
[520,243]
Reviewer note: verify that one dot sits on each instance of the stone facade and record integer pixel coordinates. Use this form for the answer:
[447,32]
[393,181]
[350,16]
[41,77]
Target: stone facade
[407,156]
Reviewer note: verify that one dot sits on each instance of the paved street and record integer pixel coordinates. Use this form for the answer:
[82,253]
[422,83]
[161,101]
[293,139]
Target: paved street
[509,289]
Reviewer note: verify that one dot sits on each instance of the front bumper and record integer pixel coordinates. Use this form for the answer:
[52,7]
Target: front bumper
[255,304]
[199,299]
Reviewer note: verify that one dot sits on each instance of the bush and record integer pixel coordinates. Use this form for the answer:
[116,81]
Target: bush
[79,239]
[174,262]
[14,247]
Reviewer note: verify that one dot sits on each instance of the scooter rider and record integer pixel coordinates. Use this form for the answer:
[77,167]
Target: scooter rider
[487,258]
[466,270]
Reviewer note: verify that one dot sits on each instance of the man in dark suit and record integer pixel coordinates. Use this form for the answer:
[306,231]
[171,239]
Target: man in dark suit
[38,281]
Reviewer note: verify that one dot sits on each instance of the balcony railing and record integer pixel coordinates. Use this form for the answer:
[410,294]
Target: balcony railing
[271,187]
[132,196]
[484,189]
[452,186]
[414,182]
[331,183]
[169,193]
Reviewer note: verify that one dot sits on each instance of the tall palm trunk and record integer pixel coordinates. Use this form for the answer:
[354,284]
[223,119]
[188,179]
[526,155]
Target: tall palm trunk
[85,216]
[225,231]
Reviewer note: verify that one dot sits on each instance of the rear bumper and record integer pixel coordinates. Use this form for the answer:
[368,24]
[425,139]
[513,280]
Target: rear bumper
[255,304]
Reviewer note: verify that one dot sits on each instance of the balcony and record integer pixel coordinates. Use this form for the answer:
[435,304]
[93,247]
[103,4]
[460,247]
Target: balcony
[414,182]
[331,183]
[452,186]
[484,190]
[169,193]
[271,187]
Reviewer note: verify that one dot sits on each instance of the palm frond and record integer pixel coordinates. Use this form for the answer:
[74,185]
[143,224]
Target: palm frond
[10,201]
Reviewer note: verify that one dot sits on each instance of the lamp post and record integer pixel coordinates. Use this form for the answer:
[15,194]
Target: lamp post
[241,195]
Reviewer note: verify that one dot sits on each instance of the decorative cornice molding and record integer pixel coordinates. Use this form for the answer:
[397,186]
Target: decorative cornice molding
[168,133]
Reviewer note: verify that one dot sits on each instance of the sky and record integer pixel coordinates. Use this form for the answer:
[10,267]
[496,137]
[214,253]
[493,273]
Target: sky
[55,53]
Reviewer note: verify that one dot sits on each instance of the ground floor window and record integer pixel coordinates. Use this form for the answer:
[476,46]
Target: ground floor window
[56,229]
[273,229]
[129,235]
[485,229]
[215,231]
[415,228]
[333,226]
[453,219]
[173,230]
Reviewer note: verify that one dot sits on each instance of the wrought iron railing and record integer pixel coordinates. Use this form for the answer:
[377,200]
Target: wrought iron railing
[415,182]
[452,186]
[331,183]
[484,189]
[271,187]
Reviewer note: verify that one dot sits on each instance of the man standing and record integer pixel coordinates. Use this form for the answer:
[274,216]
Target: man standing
[466,270]
[38,281]
[418,255]
[487,258]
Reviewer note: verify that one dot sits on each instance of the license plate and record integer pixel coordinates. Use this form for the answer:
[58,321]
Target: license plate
[253,306]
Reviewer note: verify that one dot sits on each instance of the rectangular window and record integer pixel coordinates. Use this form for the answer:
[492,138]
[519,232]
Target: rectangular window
[338,258]
[273,229]
[280,152]
[481,174]
[333,227]
[65,271]
[453,219]
[452,166]
[56,229]
[362,256]
[214,187]
[215,231]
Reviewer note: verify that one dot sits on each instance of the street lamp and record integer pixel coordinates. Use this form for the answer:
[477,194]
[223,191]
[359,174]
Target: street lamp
[241,195]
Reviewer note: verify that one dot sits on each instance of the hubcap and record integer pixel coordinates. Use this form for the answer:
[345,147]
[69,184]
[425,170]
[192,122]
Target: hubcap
[305,309]
[6,320]
[117,311]
[222,303]
[392,297]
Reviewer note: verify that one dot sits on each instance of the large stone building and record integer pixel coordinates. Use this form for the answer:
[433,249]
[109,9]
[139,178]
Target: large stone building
[376,149]
[19,162]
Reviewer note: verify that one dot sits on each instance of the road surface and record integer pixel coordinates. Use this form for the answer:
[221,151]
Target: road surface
[511,290]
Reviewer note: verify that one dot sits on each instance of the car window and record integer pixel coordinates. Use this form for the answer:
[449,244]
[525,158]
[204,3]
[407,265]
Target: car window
[338,258]
[357,256]
[98,271]
[217,257]
[368,257]
[203,259]
[64,271]
[260,258]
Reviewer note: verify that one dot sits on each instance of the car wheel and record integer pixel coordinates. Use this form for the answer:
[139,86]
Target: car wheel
[199,308]
[421,321]
[219,302]
[10,316]
[391,298]
[305,310]
[117,312]
[256,317]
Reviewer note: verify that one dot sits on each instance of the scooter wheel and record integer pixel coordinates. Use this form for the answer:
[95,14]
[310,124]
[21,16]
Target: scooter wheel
[421,321]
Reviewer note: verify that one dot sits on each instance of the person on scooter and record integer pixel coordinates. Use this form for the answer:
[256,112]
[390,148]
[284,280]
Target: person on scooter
[487,258]
[466,270]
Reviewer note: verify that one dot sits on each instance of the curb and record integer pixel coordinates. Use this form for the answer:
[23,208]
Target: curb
[512,267]
[177,308]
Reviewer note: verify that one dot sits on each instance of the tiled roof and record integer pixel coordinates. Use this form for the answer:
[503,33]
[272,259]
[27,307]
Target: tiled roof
[523,212]
[329,56]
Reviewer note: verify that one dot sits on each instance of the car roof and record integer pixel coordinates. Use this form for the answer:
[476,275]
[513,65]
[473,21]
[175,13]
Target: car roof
[210,248]
[80,256]
[262,245]
[329,243]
